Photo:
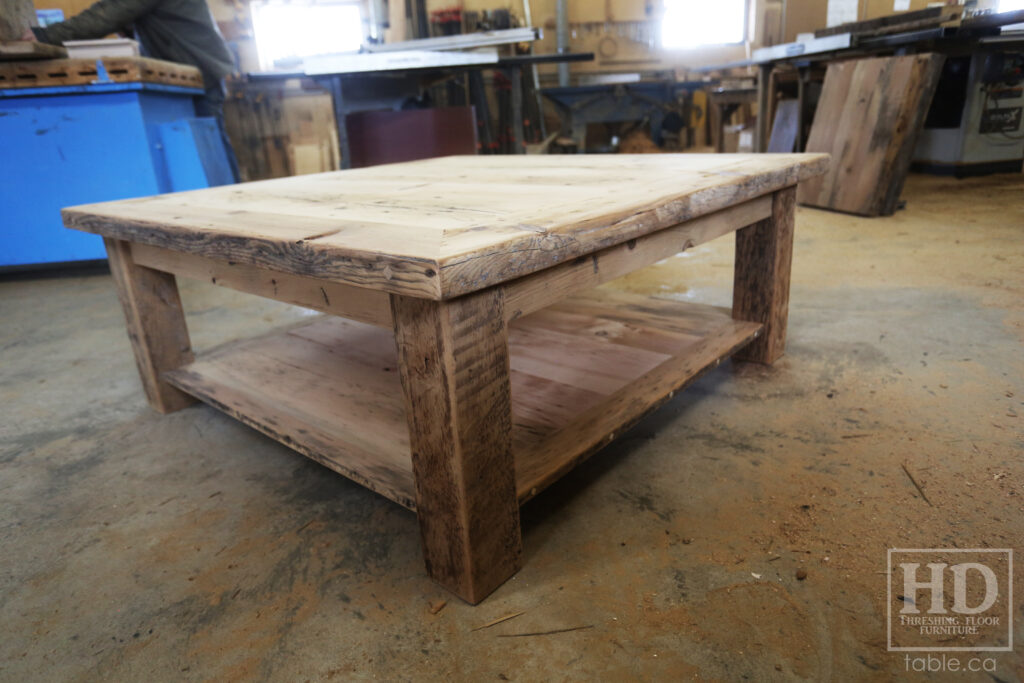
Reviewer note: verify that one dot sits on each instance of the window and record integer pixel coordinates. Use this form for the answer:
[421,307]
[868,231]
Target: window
[691,23]
[298,29]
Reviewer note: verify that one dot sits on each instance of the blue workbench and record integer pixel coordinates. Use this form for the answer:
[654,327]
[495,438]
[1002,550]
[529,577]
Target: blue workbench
[67,145]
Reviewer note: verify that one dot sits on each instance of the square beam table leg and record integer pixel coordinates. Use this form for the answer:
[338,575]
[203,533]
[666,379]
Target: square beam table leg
[454,364]
[764,254]
[156,324]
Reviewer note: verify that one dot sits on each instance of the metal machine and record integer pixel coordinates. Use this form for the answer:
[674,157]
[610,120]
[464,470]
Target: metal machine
[974,126]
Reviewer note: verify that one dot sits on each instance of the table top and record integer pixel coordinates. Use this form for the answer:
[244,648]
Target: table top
[440,228]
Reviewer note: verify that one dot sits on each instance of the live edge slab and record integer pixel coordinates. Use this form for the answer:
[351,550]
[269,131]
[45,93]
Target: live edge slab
[464,362]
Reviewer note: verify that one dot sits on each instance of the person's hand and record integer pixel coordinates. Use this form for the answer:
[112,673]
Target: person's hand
[28,35]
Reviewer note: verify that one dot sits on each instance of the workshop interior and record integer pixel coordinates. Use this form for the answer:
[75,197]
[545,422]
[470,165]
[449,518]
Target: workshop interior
[511,339]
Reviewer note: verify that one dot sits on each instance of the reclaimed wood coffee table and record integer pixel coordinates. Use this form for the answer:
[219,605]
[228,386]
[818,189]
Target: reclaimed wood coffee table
[462,365]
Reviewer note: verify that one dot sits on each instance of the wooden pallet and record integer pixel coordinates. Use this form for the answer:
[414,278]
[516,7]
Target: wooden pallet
[56,72]
[582,371]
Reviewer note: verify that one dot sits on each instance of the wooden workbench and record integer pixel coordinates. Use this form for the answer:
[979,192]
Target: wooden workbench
[463,364]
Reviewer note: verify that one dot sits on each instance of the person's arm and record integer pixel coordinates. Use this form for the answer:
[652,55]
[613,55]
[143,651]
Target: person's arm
[100,19]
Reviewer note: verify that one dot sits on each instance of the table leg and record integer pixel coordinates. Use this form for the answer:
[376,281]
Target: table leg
[156,324]
[716,120]
[454,364]
[764,253]
[334,85]
[764,100]
[515,77]
[578,132]
[801,102]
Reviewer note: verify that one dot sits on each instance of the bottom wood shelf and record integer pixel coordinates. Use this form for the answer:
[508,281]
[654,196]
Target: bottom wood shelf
[583,370]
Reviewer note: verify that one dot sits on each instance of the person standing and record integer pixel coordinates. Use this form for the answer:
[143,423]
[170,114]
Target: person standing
[180,31]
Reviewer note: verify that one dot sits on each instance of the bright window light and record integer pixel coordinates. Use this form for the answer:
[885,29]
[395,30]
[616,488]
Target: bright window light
[1010,5]
[691,23]
[299,29]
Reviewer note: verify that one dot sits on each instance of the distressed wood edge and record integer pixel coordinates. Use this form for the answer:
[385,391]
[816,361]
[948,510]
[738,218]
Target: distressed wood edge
[532,292]
[370,305]
[647,219]
[441,278]
[334,264]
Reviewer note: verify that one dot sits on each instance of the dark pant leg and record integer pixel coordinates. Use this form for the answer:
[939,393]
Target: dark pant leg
[211,103]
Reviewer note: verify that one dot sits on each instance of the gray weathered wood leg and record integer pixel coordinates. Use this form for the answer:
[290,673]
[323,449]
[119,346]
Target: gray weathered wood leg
[764,253]
[156,324]
[454,364]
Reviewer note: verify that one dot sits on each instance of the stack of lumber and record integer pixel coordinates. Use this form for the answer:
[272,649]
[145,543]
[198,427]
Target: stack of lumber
[895,23]
[278,131]
[869,117]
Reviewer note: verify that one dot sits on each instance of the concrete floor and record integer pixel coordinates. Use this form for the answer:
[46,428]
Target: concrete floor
[135,546]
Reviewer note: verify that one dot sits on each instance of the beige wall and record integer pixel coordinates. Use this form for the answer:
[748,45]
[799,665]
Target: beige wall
[804,16]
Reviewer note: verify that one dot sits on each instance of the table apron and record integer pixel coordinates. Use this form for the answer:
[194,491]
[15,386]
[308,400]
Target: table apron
[348,301]
[539,290]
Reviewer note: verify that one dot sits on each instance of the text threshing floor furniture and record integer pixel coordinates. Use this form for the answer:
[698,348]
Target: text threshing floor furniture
[462,366]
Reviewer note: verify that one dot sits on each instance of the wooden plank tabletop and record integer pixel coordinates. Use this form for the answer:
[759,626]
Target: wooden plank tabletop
[440,228]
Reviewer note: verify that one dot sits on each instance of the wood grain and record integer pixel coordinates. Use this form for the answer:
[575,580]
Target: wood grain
[330,389]
[869,117]
[83,71]
[764,256]
[601,424]
[355,303]
[454,364]
[441,228]
[534,292]
[156,325]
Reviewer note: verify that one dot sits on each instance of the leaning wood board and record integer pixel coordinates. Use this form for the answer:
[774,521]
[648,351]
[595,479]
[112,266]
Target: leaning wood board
[869,117]
[330,388]
[53,72]
[441,228]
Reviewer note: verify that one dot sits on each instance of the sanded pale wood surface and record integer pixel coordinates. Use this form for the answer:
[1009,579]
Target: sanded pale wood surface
[440,228]
[581,371]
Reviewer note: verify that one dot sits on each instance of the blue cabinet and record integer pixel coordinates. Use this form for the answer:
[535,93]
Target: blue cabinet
[67,145]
